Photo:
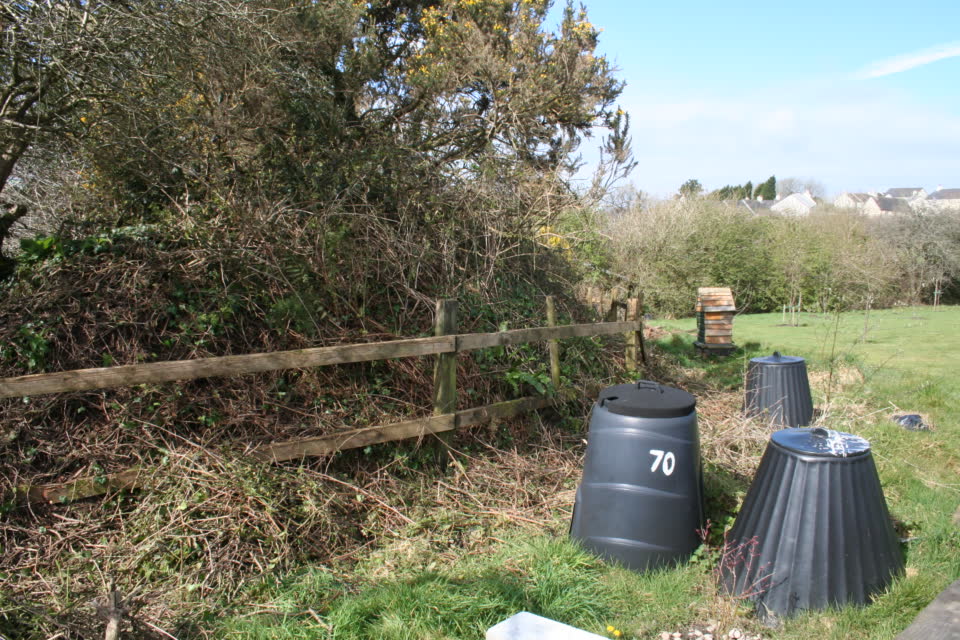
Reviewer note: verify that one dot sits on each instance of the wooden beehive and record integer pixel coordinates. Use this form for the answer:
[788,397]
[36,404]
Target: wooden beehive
[715,309]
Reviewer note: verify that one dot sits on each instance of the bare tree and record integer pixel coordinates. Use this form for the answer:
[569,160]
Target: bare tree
[927,247]
[786,186]
[56,58]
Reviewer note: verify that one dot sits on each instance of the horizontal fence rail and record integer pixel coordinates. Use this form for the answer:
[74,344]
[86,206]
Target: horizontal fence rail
[177,370]
[445,419]
[140,475]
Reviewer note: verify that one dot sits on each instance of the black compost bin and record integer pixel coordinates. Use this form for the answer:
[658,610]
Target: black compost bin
[778,386]
[814,530]
[641,499]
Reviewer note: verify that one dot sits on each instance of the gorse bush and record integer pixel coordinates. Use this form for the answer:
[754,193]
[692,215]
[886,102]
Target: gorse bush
[249,176]
[401,149]
[319,170]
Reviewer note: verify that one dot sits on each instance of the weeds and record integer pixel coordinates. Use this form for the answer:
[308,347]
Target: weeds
[224,545]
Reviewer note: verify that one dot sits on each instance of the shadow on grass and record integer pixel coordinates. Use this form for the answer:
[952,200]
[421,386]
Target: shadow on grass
[723,494]
[678,358]
[550,577]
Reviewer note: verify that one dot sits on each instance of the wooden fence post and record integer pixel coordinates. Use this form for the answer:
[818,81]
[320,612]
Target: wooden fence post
[554,345]
[636,349]
[445,369]
[613,312]
[643,344]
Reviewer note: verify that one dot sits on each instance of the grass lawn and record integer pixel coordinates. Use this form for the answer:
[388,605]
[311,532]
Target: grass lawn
[906,355]
[440,578]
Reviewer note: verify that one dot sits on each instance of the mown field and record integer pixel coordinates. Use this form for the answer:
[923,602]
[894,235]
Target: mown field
[500,546]
[906,355]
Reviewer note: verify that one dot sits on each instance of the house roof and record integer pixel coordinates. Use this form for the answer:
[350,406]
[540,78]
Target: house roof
[859,198]
[793,201]
[945,194]
[903,192]
[892,205]
[757,205]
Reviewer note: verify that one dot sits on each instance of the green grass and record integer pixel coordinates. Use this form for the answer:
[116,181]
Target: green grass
[908,359]
[909,338]
[546,575]
[549,576]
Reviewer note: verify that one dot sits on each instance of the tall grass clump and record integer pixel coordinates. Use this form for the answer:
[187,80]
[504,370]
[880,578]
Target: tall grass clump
[550,577]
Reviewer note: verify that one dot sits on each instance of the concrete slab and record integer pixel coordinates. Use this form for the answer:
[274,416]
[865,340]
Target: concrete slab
[940,620]
[529,626]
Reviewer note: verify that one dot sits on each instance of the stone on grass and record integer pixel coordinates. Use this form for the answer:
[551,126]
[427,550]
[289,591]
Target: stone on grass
[911,422]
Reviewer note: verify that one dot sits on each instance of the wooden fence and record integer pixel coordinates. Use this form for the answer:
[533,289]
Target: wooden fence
[445,344]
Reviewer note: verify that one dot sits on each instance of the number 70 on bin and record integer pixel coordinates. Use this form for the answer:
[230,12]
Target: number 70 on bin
[663,460]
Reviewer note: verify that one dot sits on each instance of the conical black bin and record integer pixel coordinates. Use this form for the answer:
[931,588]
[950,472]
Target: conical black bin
[814,530]
[778,386]
[641,499]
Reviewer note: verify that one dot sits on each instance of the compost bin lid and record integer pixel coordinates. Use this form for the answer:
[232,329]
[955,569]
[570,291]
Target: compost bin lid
[777,358]
[821,442]
[646,399]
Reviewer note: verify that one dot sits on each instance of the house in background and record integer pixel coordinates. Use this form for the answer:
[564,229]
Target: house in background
[910,194]
[880,205]
[848,200]
[757,206]
[797,204]
[943,199]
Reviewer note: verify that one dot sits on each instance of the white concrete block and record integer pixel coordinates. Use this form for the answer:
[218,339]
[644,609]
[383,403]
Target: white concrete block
[529,626]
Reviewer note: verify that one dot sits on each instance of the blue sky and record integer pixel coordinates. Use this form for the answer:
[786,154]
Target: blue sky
[857,95]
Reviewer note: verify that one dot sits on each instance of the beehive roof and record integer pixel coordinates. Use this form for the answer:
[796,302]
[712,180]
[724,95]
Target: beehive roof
[715,299]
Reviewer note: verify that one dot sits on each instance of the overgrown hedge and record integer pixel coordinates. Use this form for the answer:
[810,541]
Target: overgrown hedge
[831,259]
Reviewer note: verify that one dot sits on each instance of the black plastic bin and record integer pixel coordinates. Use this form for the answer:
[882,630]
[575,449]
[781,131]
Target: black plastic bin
[641,499]
[814,530]
[778,386]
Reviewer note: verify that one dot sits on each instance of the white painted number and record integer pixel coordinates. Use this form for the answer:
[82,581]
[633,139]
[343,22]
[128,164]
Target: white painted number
[669,462]
[658,454]
[666,457]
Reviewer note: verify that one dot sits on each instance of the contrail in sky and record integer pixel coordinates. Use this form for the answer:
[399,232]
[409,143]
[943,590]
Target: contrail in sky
[909,61]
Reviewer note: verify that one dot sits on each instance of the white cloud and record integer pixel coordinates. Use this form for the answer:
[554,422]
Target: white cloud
[909,61]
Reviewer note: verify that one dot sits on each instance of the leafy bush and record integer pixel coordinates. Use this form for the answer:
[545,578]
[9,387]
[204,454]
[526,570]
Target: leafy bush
[827,260]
